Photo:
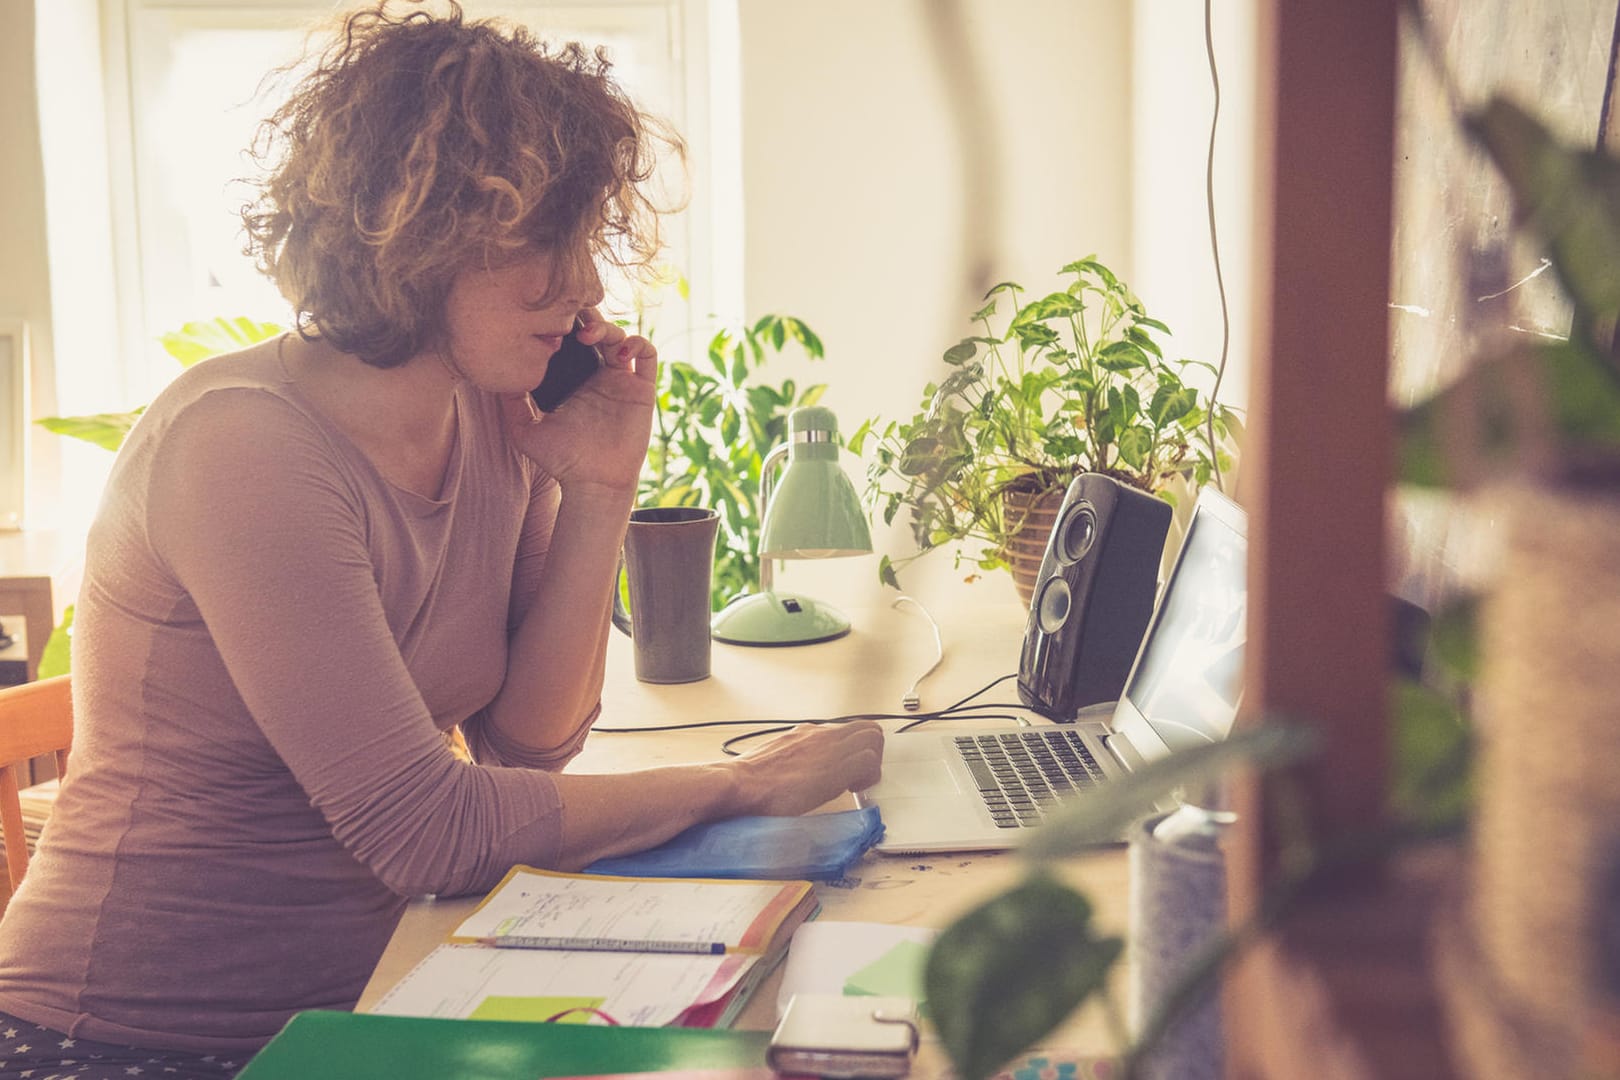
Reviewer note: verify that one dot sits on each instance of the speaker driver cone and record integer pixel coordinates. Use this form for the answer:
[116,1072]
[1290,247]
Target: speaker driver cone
[1053,605]
[1076,532]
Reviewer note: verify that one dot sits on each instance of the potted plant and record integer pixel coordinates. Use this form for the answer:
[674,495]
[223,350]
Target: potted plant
[1073,381]
[715,421]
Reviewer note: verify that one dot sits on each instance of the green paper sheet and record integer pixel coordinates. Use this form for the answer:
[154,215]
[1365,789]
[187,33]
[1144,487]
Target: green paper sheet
[897,973]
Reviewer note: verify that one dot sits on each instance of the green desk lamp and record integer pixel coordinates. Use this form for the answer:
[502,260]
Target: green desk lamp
[812,514]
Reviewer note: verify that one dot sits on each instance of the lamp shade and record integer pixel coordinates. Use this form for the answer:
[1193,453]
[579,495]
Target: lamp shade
[814,512]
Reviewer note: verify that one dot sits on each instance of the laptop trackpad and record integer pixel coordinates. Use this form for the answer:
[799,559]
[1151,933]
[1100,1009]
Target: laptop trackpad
[915,779]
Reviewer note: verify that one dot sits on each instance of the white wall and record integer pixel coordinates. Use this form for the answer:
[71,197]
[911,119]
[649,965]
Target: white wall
[87,310]
[851,174]
[1172,100]
[852,187]
[25,291]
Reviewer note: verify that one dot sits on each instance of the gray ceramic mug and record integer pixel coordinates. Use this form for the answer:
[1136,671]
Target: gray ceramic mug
[669,560]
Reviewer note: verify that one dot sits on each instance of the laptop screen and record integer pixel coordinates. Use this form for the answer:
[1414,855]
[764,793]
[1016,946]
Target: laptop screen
[1187,681]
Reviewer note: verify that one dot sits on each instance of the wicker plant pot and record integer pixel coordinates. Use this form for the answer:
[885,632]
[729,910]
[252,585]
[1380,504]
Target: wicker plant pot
[1517,963]
[1027,547]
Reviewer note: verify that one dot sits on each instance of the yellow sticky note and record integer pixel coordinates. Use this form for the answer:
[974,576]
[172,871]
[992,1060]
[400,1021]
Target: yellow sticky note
[576,1010]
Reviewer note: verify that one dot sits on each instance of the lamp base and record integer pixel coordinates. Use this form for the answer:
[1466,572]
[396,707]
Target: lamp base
[773,618]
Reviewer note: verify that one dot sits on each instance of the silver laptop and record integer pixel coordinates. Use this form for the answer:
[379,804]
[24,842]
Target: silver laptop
[973,787]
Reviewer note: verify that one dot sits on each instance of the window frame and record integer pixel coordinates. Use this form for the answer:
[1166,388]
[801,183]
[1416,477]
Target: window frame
[703,241]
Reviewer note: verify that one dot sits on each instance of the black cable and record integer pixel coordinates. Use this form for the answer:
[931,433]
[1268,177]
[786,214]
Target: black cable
[913,719]
[1215,248]
[983,689]
[958,710]
[956,718]
[779,722]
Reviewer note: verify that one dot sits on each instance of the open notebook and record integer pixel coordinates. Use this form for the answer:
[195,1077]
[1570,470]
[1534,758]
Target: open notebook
[584,948]
[945,789]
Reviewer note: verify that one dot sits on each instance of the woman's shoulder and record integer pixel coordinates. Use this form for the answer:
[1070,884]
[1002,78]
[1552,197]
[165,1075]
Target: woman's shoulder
[250,386]
[258,365]
[233,412]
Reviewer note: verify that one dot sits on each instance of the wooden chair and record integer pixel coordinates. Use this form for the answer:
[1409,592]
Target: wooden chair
[35,718]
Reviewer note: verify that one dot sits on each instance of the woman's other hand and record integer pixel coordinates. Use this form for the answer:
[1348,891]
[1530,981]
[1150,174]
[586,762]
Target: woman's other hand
[599,436]
[617,813]
[809,766]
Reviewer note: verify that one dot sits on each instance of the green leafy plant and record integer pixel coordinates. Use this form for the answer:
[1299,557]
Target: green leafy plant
[716,419]
[55,659]
[1073,381]
[1431,774]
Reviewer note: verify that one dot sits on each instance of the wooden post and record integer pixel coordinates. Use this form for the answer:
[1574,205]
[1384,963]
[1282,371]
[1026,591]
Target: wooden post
[1318,461]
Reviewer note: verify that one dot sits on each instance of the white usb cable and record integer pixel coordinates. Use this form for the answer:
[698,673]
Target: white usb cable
[912,701]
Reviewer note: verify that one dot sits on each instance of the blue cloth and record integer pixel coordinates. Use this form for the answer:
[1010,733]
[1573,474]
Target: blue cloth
[814,847]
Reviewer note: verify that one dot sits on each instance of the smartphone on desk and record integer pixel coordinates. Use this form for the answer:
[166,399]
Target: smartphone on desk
[573,363]
[845,1037]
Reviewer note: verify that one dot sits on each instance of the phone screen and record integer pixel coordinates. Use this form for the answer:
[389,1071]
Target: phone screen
[572,364]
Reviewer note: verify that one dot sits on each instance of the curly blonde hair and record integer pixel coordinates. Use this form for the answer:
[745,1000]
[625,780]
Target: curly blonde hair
[422,144]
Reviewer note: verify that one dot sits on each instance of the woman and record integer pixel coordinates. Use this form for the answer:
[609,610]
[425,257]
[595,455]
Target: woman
[318,556]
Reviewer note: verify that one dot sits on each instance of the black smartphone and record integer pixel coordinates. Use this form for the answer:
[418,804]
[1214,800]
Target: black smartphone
[572,364]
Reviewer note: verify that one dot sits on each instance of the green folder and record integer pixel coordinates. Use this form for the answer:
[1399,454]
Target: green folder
[363,1046]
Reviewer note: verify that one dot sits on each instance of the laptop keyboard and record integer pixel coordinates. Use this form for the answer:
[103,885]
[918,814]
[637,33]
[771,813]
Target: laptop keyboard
[1022,775]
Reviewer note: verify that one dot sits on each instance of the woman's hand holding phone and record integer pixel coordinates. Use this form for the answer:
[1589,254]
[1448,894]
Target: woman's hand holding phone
[573,363]
[607,379]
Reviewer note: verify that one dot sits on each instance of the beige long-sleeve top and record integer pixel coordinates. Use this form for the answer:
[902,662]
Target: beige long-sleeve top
[269,643]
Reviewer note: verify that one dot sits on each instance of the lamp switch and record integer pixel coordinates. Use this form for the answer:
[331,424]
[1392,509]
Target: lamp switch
[791,605]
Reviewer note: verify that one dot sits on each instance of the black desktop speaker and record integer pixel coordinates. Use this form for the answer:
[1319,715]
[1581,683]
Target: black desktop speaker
[1094,596]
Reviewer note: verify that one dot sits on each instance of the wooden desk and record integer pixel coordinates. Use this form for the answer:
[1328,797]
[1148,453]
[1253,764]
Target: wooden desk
[866,671]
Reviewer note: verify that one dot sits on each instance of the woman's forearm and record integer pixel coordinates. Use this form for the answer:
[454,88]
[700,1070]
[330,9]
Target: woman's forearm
[620,813]
[617,814]
[556,658]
